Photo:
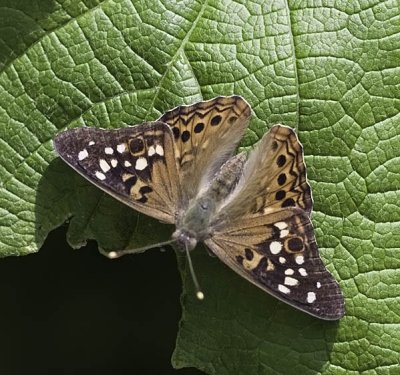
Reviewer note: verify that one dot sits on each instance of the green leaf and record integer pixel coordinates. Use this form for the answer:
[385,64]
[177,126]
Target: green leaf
[329,69]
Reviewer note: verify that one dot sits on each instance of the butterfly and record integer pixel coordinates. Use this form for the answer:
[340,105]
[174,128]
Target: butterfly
[252,211]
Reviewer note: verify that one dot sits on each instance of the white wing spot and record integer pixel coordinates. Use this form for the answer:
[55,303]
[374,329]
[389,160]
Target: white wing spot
[151,151]
[91,143]
[121,148]
[275,247]
[114,162]
[104,165]
[100,175]
[283,289]
[108,150]
[290,281]
[303,272]
[283,233]
[299,259]
[281,225]
[127,164]
[318,284]
[311,297]
[289,271]
[282,260]
[141,164]
[160,150]
[83,154]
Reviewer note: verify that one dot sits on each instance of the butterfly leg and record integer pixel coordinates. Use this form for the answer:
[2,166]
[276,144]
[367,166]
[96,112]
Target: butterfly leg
[120,253]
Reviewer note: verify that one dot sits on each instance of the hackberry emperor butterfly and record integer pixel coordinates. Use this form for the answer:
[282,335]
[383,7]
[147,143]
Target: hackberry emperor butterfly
[253,213]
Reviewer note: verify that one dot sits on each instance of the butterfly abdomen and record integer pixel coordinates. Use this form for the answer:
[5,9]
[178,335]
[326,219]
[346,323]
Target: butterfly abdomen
[226,179]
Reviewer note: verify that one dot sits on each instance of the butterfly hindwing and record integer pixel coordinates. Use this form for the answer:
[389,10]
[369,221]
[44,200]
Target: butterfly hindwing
[274,176]
[206,135]
[278,253]
[136,164]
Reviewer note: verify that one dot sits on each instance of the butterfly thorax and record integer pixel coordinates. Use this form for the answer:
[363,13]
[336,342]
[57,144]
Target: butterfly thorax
[194,224]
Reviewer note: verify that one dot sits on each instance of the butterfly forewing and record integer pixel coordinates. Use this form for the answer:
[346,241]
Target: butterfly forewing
[135,164]
[206,135]
[278,253]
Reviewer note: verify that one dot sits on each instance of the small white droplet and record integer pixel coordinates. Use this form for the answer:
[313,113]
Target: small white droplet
[121,148]
[289,272]
[112,255]
[127,164]
[108,150]
[311,297]
[91,143]
[318,284]
[159,150]
[100,175]
[83,154]
[299,259]
[281,225]
[114,162]
[283,289]
[275,247]
[104,165]
[151,151]
[141,164]
[283,233]
[282,260]
[303,272]
[290,281]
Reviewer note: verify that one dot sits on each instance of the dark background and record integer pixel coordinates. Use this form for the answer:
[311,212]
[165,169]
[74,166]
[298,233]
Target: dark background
[67,311]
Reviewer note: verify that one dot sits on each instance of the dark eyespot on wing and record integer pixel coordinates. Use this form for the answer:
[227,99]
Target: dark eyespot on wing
[176,132]
[185,136]
[281,160]
[199,127]
[289,203]
[136,145]
[281,179]
[216,120]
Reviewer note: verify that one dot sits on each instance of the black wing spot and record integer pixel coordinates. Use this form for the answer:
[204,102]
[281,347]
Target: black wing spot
[248,253]
[176,132]
[185,136]
[143,199]
[295,244]
[288,202]
[130,183]
[281,179]
[199,127]
[145,190]
[216,120]
[281,160]
[281,194]
[239,259]
[136,145]
[232,119]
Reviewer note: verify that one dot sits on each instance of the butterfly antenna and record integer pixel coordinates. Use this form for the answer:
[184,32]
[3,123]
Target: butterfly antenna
[199,293]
